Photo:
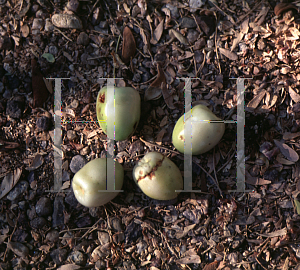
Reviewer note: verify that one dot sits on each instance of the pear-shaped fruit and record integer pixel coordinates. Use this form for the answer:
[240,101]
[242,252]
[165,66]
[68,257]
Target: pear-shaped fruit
[125,105]
[91,179]
[158,177]
[205,135]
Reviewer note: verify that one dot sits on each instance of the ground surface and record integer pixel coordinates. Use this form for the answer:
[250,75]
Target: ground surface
[215,41]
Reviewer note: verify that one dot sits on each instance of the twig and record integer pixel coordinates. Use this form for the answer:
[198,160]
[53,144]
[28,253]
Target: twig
[55,28]
[96,3]
[11,237]
[216,179]
[216,48]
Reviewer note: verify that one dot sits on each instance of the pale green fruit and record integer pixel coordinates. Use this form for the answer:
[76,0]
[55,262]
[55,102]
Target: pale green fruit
[158,177]
[91,179]
[205,135]
[127,112]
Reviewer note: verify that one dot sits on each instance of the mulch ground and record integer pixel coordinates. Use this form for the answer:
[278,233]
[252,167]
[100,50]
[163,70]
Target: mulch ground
[150,46]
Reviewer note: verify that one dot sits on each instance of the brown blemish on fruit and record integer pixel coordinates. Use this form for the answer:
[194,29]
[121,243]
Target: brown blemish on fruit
[152,174]
[102,98]
[181,138]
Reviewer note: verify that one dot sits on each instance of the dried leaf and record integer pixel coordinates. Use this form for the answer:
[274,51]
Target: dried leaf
[129,45]
[297,204]
[256,100]
[157,33]
[211,266]
[231,55]
[180,37]
[48,84]
[69,267]
[180,234]
[9,181]
[284,161]
[167,97]
[18,248]
[287,151]
[39,89]
[160,136]
[290,136]
[295,97]
[237,40]
[154,91]
[36,163]
[245,26]
[281,232]
[189,259]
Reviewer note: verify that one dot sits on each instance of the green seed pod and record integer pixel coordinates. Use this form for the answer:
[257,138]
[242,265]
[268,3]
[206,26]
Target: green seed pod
[127,109]
[205,135]
[158,177]
[91,179]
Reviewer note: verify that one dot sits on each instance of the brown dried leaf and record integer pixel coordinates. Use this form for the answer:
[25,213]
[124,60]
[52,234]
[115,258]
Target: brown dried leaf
[237,40]
[281,232]
[167,97]
[231,55]
[48,84]
[160,136]
[180,37]
[284,161]
[39,89]
[295,97]
[245,26]
[9,181]
[189,259]
[180,234]
[256,100]
[154,91]
[157,33]
[36,163]
[18,248]
[129,45]
[211,266]
[287,151]
[290,136]
[69,267]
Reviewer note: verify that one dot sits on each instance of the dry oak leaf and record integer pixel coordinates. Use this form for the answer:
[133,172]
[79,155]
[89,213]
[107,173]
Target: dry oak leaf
[129,45]
[157,33]
[287,151]
[39,89]
[231,55]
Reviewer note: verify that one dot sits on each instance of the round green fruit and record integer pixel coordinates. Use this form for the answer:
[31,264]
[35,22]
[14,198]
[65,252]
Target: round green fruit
[205,135]
[91,179]
[125,103]
[158,177]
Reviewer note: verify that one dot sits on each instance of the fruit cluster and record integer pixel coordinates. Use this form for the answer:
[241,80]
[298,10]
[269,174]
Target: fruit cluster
[118,114]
